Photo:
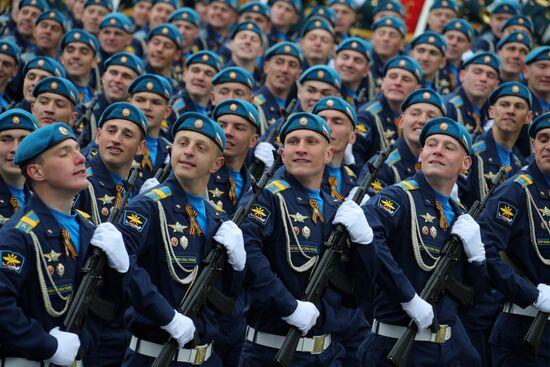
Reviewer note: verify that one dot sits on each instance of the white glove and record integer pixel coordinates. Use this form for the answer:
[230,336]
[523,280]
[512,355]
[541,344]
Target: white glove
[180,328]
[231,237]
[352,217]
[264,152]
[67,347]
[467,229]
[304,317]
[543,301]
[353,191]
[349,158]
[419,311]
[109,239]
[148,185]
[454,193]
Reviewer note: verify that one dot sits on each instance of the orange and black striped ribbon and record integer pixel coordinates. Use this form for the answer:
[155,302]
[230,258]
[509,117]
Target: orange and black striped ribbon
[68,243]
[14,203]
[232,194]
[442,219]
[146,161]
[194,228]
[333,183]
[119,193]
[316,213]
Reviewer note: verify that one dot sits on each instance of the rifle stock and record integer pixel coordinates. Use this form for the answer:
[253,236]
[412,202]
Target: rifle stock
[85,119]
[534,335]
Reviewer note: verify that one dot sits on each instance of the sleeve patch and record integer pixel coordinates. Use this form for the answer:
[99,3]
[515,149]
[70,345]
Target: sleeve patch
[388,205]
[506,212]
[134,220]
[12,261]
[259,213]
[377,185]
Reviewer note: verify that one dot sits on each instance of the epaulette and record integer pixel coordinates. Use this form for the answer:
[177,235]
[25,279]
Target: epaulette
[130,49]
[259,99]
[456,101]
[349,171]
[83,214]
[408,185]
[479,147]
[164,124]
[277,186]
[523,180]
[393,158]
[217,207]
[375,107]
[27,222]
[178,104]
[159,193]
[89,171]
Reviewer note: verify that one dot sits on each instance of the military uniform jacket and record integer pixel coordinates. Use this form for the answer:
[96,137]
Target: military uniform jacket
[8,201]
[162,152]
[219,189]
[402,248]
[349,181]
[460,109]
[151,238]
[265,99]
[486,42]
[183,103]
[89,128]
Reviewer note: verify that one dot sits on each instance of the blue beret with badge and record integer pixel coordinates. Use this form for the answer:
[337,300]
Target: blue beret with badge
[541,53]
[337,104]
[61,86]
[510,89]
[296,4]
[117,20]
[424,95]
[40,4]
[11,49]
[126,59]
[240,108]
[53,15]
[45,63]
[349,3]
[17,118]
[405,63]
[41,140]
[518,37]
[447,126]
[194,121]
[483,58]
[504,7]
[316,23]
[460,25]
[541,122]
[124,111]
[234,74]
[255,7]
[324,12]
[204,57]
[248,26]
[285,48]
[430,38]
[78,35]
[169,31]
[322,73]
[390,5]
[445,4]
[151,83]
[233,4]
[518,20]
[187,15]
[356,44]
[107,4]
[173,3]
[305,121]
[391,22]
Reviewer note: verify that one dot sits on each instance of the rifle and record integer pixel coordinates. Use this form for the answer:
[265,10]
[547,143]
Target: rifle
[437,283]
[84,119]
[536,330]
[321,276]
[192,304]
[164,171]
[360,98]
[7,107]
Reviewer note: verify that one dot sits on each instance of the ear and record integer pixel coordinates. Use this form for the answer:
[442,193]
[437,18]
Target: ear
[74,116]
[329,154]
[461,74]
[466,163]
[491,112]
[352,137]
[529,118]
[36,172]
[400,122]
[140,148]
[253,141]
[217,164]
[167,111]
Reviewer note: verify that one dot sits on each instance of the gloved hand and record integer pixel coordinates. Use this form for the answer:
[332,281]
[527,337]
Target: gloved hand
[420,311]
[349,158]
[467,229]
[180,328]
[148,185]
[352,217]
[67,347]
[109,239]
[543,301]
[264,152]
[353,191]
[231,237]
[304,317]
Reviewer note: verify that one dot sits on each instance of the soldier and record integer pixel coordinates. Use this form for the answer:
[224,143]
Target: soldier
[50,27]
[232,83]
[55,101]
[188,22]
[159,14]
[285,14]
[389,8]
[44,246]
[247,42]
[140,13]
[15,124]
[518,23]
[163,49]
[169,230]
[514,226]
[35,70]
[258,13]
[221,16]
[512,50]
[317,42]
[23,34]
[537,73]
[459,35]
[346,15]
[94,12]
[9,64]
[441,12]
[115,34]
[499,11]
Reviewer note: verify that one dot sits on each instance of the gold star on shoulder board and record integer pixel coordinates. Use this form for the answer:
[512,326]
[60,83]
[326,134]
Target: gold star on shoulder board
[298,217]
[389,134]
[545,211]
[106,199]
[428,218]
[490,176]
[216,193]
[178,227]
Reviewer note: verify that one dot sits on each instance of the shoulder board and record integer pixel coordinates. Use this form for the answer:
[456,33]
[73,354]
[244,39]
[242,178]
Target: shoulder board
[130,49]
[277,186]
[456,101]
[479,147]
[393,158]
[408,185]
[89,171]
[164,124]
[27,222]
[349,171]
[523,180]
[165,141]
[178,104]
[217,207]
[259,99]
[374,107]
[83,214]
[159,193]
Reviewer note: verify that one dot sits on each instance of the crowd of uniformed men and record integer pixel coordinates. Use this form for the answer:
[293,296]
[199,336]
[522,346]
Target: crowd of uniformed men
[208,91]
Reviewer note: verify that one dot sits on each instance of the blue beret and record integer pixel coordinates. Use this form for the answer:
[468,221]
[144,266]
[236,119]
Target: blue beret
[194,121]
[134,2]
[349,3]
[186,14]
[430,38]
[356,44]
[541,122]
[126,59]
[17,119]
[54,84]
[511,89]
[392,22]
[240,108]
[11,49]
[424,95]
[447,126]
[322,73]
[45,63]
[483,58]
[316,23]
[460,25]
[234,74]
[107,4]
[337,104]
[256,7]
[285,48]
[41,140]
[78,35]
[54,15]
[519,20]
[323,12]
[305,121]
[117,20]
[405,63]
[296,4]
[174,3]
[234,4]
[204,57]
[390,5]
[151,83]
[519,37]
[541,53]
[124,111]
[248,26]
[40,4]
[504,7]
[445,4]
[167,30]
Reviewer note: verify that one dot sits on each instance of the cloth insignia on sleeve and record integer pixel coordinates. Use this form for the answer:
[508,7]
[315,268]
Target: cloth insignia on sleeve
[12,261]
[388,205]
[377,185]
[259,214]
[506,212]
[134,220]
